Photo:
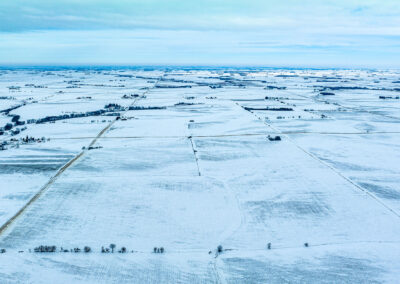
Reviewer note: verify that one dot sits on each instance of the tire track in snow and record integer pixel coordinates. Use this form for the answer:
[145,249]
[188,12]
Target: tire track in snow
[219,275]
[236,225]
[229,232]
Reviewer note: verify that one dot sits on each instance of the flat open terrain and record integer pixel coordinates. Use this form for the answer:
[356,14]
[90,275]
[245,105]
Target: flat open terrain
[295,174]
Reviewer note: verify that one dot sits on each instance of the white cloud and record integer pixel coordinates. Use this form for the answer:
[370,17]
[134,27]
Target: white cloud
[200,32]
[196,47]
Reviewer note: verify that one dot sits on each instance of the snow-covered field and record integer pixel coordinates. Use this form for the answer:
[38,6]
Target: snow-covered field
[183,160]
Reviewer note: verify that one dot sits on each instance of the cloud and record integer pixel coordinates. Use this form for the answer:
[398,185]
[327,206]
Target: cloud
[158,47]
[307,15]
[345,32]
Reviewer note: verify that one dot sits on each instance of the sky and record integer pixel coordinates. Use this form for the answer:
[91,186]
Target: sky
[270,33]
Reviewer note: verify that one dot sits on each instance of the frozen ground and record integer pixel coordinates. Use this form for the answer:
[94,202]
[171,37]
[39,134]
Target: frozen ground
[181,160]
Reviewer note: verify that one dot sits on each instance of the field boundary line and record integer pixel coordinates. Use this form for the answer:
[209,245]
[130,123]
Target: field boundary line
[367,192]
[59,172]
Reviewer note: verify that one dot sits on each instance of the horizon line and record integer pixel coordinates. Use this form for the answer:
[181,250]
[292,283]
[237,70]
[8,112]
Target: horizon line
[6,66]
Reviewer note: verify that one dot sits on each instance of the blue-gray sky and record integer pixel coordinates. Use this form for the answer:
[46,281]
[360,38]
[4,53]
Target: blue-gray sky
[309,33]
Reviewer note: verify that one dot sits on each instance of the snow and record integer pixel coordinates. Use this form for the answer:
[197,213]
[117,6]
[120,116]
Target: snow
[189,177]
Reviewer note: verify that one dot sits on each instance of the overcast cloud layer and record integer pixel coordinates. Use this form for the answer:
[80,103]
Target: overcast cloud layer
[205,32]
